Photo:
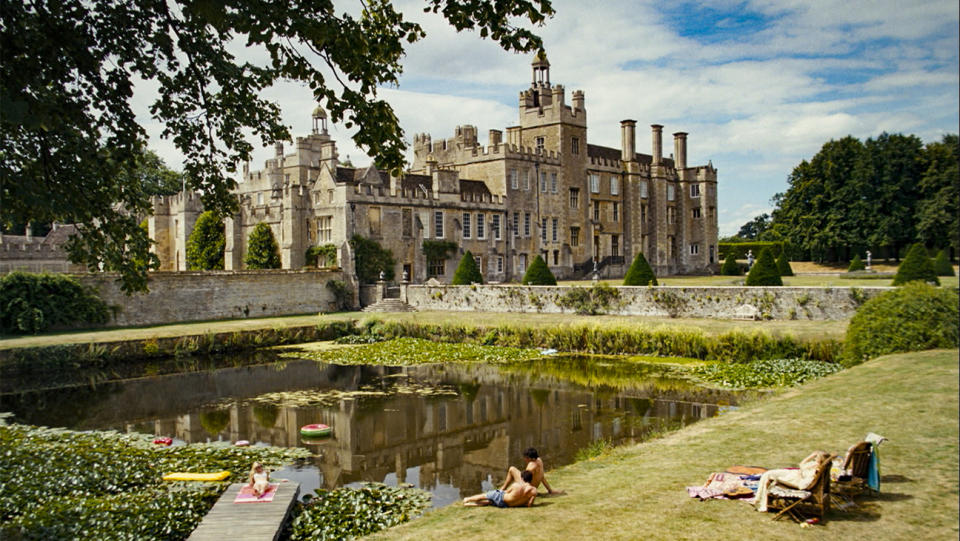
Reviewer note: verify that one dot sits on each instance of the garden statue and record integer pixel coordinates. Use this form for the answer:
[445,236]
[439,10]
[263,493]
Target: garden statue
[382,276]
[749,259]
[868,259]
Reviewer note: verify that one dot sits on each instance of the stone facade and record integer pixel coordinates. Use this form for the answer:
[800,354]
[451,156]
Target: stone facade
[542,191]
[38,254]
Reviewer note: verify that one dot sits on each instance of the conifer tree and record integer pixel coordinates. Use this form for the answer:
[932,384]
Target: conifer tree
[467,272]
[916,266]
[640,273]
[764,272]
[730,266]
[942,264]
[538,274]
[783,264]
[206,243]
[856,265]
[262,249]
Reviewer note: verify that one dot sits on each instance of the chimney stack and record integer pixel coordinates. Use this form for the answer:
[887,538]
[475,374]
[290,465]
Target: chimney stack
[578,100]
[680,150]
[657,132]
[496,137]
[628,140]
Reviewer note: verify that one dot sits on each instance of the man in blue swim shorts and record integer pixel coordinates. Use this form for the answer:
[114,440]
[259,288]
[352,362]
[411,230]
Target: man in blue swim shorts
[516,495]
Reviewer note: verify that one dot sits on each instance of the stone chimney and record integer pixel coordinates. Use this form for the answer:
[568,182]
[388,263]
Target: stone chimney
[495,137]
[628,140]
[278,149]
[578,100]
[680,150]
[657,153]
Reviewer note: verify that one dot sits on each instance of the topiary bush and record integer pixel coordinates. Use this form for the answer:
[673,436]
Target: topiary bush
[538,274]
[31,303]
[206,243]
[856,264]
[783,265]
[941,265]
[467,272]
[640,273]
[730,266]
[764,272]
[916,266]
[262,249]
[914,317]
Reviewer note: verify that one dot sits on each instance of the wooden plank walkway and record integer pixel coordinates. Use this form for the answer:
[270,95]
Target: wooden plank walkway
[247,521]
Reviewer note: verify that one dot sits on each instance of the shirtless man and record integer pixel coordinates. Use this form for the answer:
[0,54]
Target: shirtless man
[518,495]
[535,467]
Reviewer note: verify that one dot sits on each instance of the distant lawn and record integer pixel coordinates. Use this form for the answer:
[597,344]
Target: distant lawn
[637,492]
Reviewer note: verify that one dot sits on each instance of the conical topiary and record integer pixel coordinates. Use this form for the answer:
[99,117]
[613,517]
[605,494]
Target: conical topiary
[467,272]
[538,274]
[856,265]
[262,249]
[916,266]
[941,265]
[206,243]
[640,273]
[730,266]
[764,272]
[783,264]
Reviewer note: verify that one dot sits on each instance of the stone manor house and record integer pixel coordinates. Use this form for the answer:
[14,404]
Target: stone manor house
[540,188]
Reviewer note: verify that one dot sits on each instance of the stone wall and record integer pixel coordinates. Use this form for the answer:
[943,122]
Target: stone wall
[176,297]
[808,303]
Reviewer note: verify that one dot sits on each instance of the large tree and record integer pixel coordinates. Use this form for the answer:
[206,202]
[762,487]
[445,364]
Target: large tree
[71,71]
[755,227]
[937,210]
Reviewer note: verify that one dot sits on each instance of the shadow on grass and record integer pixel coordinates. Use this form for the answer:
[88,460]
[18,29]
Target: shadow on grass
[867,508]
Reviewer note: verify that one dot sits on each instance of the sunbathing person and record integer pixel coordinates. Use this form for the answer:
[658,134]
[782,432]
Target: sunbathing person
[518,495]
[799,479]
[535,467]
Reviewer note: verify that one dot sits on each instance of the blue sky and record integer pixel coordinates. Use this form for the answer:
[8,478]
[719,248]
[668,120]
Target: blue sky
[759,85]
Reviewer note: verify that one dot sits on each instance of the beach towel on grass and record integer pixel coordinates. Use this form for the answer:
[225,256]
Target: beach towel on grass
[723,486]
[247,495]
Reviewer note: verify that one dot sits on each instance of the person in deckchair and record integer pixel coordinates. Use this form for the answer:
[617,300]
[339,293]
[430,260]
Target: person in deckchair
[535,467]
[796,478]
[519,494]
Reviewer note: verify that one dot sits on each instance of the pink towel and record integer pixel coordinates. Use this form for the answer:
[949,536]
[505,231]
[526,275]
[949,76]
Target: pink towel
[247,495]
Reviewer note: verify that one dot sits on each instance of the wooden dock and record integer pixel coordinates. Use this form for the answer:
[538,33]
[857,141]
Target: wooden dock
[247,521]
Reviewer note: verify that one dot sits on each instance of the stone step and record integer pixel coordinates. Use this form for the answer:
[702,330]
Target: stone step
[389,305]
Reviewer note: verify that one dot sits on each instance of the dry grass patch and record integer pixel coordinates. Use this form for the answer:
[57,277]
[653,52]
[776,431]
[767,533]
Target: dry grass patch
[638,492]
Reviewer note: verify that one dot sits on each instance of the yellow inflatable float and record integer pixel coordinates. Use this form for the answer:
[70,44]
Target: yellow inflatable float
[188,476]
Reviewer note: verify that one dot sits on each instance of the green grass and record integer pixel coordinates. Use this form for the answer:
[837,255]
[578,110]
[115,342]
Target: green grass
[637,492]
[807,280]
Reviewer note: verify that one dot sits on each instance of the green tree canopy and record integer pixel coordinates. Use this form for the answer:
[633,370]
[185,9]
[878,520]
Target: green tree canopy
[937,211]
[467,272]
[764,272]
[640,273]
[730,266]
[916,266]
[262,249]
[753,229]
[538,274]
[72,71]
[206,243]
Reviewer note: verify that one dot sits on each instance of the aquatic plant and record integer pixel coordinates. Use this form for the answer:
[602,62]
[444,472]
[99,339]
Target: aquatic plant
[411,351]
[346,513]
[765,373]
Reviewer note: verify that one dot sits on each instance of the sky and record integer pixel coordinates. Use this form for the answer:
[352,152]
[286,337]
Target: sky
[759,85]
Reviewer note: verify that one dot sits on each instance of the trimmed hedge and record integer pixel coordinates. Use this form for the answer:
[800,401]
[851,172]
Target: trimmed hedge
[941,265]
[467,272]
[857,264]
[916,266]
[640,273]
[914,317]
[206,243]
[740,249]
[730,266]
[31,303]
[764,272]
[783,264]
[538,274]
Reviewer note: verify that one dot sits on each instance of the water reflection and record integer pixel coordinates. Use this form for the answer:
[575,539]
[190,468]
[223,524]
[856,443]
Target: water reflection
[452,429]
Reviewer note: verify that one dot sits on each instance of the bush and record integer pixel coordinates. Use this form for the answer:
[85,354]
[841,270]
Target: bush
[328,251]
[914,317]
[262,249]
[206,243]
[783,265]
[857,264]
[30,303]
[730,266]
[640,273]
[916,266]
[371,260]
[764,272]
[941,265]
[740,249]
[538,274]
[467,272]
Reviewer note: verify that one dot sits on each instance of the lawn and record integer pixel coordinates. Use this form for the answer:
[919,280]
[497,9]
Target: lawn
[637,492]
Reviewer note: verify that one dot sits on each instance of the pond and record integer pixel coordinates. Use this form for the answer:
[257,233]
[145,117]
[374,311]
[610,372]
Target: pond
[452,429]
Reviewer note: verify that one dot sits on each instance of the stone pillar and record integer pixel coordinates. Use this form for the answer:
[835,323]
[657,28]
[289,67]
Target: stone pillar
[680,150]
[628,140]
[657,153]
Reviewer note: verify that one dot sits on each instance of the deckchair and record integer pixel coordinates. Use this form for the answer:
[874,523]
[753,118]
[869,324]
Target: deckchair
[851,478]
[813,501]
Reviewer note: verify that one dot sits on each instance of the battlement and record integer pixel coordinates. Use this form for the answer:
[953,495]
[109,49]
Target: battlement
[178,202]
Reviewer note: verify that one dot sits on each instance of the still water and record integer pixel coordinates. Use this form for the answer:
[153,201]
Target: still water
[451,429]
